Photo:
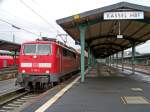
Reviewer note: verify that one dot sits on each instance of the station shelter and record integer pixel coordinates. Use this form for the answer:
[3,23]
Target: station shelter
[106,31]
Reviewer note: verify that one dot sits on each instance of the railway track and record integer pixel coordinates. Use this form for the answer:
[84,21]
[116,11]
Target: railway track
[13,101]
[8,72]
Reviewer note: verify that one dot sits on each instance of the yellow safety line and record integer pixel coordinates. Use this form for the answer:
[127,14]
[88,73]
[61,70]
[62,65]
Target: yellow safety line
[57,96]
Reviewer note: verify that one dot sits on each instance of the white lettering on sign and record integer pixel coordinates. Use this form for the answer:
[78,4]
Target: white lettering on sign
[124,15]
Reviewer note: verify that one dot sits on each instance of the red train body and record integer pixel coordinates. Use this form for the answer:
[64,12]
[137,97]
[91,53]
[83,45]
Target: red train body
[7,61]
[46,62]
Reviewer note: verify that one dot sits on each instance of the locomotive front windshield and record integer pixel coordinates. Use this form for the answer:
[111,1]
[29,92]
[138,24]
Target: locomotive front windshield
[37,49]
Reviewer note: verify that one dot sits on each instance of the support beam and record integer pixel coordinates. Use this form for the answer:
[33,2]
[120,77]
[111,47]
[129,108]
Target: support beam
[125,37]
[82,40]
[133,58]
[122,61]
[109,44]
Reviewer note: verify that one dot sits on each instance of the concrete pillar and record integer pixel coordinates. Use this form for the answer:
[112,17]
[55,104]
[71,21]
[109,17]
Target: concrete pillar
[82,40]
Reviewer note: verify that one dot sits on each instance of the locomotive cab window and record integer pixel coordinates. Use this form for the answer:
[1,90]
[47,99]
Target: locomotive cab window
[37,49]
[43,49]
[30,49]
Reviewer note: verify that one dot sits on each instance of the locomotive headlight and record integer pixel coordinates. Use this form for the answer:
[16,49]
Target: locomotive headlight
[34,56]
[47,71]
[23,71]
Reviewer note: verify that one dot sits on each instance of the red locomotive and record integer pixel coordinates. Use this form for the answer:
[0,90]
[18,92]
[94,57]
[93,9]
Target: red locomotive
[45,61]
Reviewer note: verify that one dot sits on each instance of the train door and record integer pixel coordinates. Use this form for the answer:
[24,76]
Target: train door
[4,63]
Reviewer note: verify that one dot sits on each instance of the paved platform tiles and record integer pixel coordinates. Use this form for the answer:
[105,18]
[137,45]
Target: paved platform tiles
[101,94]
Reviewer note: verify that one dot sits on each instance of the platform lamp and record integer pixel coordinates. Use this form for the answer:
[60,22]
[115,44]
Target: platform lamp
[119,36]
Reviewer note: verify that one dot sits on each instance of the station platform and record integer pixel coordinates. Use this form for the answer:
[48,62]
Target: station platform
[7,86]
[137,69]
[104,90]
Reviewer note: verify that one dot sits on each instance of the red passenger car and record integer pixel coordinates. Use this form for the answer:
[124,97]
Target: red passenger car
[45,61]
[7,61]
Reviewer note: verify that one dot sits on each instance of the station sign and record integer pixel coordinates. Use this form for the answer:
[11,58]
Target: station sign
[124,15]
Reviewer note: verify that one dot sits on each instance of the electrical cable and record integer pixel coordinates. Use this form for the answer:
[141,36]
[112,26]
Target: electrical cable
[18,17]
[38,15]
[57,31]
[18,27]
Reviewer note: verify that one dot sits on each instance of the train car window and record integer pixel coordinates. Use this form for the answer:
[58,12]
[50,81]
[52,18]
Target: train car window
[43,49]
[58,52]
[29,49]
[74,55]
[70,54]
[64,52]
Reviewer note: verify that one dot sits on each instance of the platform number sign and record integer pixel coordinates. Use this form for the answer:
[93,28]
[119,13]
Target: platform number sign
[124,15]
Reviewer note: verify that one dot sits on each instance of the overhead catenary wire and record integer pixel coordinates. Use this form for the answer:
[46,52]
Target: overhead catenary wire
[17,17]
[38,15]
[18,27]
[57,31]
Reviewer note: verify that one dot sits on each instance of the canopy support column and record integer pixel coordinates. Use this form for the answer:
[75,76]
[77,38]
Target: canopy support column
[113,60]
[89,58]
[82,40]
[133,58]
[122,60]
[110,60]
[116,59]
[94,62]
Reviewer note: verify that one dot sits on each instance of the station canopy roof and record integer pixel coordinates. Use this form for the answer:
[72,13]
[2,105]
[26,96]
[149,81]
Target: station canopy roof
[101,33]
[9,46]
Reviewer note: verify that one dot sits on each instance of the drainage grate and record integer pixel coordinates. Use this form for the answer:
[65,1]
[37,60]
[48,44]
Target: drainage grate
[135,100]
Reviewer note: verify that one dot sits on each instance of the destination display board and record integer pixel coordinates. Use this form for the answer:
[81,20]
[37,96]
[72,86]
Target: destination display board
[123,15]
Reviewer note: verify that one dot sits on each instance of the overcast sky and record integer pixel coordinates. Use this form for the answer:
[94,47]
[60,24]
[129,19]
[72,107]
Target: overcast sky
[19,13]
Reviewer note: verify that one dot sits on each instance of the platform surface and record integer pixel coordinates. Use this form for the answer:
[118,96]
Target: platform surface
[101,93]
[7,86]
